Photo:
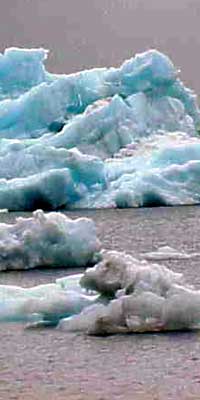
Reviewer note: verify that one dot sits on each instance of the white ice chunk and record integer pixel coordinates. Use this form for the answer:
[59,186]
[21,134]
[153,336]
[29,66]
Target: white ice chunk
[169,253]
[48,240]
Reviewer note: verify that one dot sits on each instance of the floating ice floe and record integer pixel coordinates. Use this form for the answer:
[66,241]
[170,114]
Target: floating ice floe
[105,137]
[44,304]
[120,294]
[48,240]
[169,253]
[146,298]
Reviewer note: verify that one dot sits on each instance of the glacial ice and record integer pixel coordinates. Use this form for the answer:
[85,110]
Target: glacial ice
[146,298]
[58,177]
[48,240]
[119,294]
[44,304]
[105,137]
[120,271]
[20,70]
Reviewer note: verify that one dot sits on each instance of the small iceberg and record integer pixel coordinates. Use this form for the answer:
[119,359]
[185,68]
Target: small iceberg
[48,240]
[119,294]
[46,304]
[144,298]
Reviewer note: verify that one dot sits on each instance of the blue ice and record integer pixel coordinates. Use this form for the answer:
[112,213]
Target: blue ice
[45,304]
[105,137]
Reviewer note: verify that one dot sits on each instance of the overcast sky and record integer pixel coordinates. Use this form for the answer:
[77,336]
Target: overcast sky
[86,33]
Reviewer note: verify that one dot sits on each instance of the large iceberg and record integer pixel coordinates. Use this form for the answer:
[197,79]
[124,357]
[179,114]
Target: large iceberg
[105,137]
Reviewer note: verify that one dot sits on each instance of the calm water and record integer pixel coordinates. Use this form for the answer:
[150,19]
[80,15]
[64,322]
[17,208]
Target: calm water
[49,364]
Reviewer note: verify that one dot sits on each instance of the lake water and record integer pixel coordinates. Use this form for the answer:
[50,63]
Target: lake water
[49,364]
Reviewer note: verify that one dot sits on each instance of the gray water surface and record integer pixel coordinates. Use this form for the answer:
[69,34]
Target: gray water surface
[49,364]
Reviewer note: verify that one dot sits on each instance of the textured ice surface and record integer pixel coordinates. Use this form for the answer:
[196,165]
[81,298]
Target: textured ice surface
[44,304]
[111,124]
[105,137]
[46,177]
[146,297]
[163,170]
[20,70]
[120,294]
[48,240]
[120,271]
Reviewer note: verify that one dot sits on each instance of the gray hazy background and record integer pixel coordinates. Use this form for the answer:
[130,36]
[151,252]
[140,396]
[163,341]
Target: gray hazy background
[87,33]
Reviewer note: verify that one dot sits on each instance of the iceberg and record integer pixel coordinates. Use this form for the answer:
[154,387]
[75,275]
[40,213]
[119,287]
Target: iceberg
[48,240]
[122,136]
[144,297]
[119,294]
[121,272]
[46,304]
